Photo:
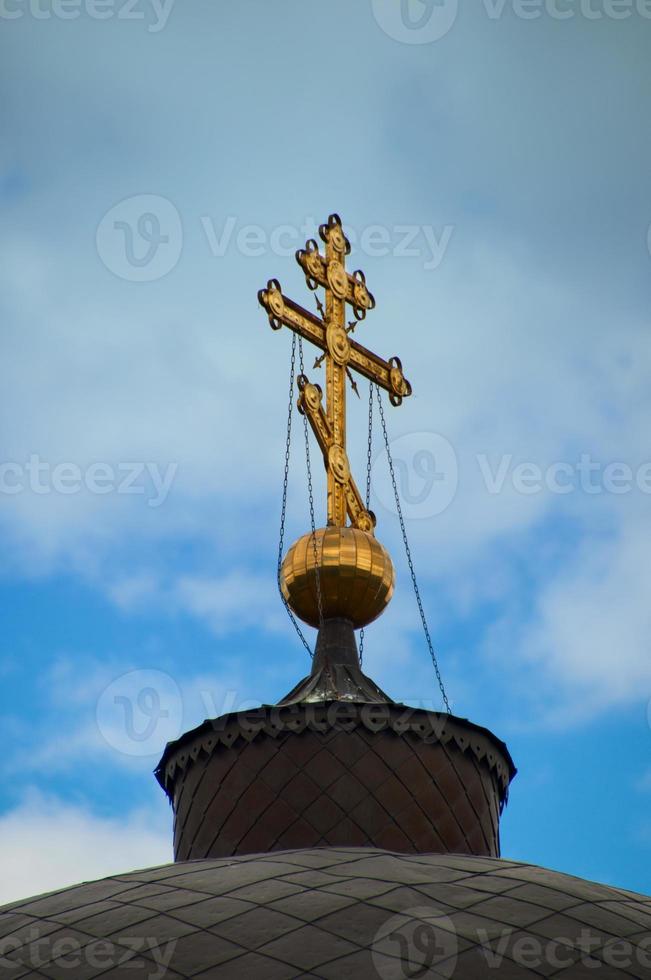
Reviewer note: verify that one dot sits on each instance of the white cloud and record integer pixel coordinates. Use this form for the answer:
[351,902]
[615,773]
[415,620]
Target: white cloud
[583,646]
[234,602]
[121,715]
[230,603]
[132,591]
[47,844]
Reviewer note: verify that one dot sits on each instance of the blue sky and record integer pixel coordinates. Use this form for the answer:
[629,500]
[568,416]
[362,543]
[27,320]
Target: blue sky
[158,166]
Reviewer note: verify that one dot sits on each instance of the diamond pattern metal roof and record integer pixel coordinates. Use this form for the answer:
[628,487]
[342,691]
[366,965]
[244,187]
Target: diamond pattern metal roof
[331,913]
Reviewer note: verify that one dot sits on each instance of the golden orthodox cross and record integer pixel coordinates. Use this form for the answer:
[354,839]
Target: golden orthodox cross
[330,333]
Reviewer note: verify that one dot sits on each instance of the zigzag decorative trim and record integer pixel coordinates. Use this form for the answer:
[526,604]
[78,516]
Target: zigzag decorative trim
[274,720]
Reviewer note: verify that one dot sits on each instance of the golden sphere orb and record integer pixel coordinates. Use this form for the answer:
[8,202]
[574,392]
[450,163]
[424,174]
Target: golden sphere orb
[355,576]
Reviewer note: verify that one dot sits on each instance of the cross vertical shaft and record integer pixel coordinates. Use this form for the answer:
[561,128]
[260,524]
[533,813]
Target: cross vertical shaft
[335,384]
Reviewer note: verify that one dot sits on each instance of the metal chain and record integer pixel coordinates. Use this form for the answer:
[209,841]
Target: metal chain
[369,445]
[369,450]
[283,512]
[311,496]
[409,558]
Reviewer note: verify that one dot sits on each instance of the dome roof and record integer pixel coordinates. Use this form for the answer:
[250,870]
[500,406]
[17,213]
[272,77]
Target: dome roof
[332,913]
